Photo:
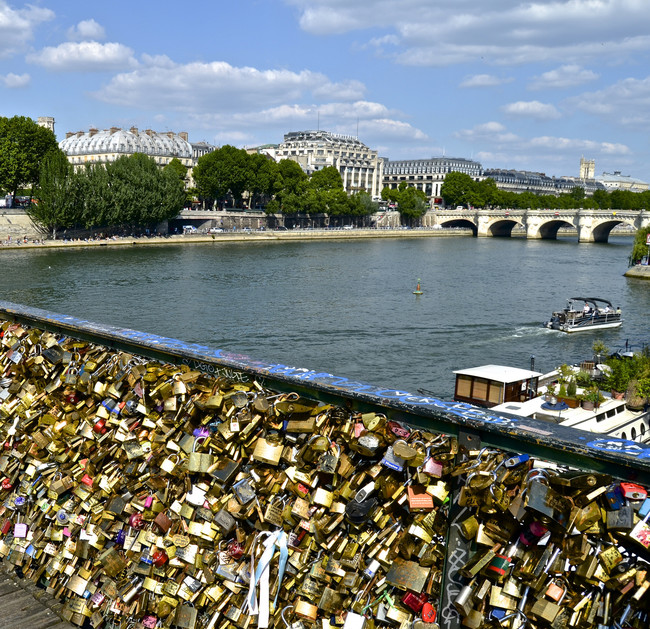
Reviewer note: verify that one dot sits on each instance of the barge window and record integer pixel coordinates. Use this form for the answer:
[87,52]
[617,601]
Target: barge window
[464,386]
[623,435]
[495,392]
[480,389]
[633,433]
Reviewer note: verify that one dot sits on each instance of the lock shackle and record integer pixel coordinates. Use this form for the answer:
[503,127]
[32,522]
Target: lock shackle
[316,437]
[426,448]
[479,458]
[284,397]
[492,473]
[515,614]
[537,474]
[284,609]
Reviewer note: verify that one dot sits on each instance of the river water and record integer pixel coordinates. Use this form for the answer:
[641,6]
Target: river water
[347,307]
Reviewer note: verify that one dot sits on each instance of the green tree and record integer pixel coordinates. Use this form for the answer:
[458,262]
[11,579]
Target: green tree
[57,204]
[93,184]
[488,192]
[602,199]
[578,194]
[226,170]
[263,174]
[177,167]
[289,186]
[361,204]
[23,147]
[639,249]
[412,205]
[457,188]
[329,178]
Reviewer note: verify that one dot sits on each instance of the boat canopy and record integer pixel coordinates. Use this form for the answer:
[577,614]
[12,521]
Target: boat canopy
[499,373]
[593,300]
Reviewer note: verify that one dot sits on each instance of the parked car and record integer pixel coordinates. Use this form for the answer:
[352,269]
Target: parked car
[215,230]
[189,229]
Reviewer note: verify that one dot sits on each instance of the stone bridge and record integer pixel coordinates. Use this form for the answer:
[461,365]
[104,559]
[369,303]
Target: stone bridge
[591,225]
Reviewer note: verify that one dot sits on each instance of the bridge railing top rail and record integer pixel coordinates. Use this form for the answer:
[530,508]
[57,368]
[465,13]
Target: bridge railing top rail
[621,458]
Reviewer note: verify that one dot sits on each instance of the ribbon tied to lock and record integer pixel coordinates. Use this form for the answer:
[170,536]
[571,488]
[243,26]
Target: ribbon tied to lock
[277,540]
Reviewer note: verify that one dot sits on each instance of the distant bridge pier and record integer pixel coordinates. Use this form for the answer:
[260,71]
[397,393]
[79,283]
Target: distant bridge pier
[534,227]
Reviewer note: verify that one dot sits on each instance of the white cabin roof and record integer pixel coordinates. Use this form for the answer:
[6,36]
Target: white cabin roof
[499,373]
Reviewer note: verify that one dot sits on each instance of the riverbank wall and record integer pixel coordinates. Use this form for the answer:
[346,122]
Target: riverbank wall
[237,236]
[16,225]
[639,272]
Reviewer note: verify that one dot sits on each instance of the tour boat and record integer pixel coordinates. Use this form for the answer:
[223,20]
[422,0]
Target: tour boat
[585,313]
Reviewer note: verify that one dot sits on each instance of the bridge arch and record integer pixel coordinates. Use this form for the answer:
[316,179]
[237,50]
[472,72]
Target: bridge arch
[600,231]
[460,222]
[548,230]
[501,227]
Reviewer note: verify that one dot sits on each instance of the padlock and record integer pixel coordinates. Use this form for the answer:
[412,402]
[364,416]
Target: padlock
[199,461]
[392,461]
[328,461]
[545,609]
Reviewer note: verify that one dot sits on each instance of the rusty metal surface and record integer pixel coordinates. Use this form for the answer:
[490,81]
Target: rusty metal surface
[622,458]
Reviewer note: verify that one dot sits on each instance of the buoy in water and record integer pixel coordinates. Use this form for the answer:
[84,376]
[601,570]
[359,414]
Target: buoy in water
[417,291]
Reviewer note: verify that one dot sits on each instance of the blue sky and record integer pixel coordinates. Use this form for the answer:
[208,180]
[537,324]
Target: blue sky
[530,85]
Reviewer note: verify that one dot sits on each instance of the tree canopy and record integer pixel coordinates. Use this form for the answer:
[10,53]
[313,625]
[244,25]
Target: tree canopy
[411,202]
[130,192]
[23,147]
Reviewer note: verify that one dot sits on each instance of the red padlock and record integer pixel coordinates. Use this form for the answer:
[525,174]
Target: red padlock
[235,549]
[136,522]
[100,427]
[6,483]
[429,612]
[159,558]
[6,527]
[414,602]
[632,491]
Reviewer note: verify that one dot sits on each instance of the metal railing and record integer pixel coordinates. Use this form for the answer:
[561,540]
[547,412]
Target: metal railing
[474,428]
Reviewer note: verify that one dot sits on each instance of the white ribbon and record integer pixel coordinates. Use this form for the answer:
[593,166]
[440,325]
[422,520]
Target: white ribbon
[261,574]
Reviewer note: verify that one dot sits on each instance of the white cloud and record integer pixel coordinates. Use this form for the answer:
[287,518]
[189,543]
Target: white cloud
[484,80]
[626,103]
[488,132]
[503,143]
[14,81]
[86,30]
[84,57]
[218,86]
[569,75]
[17,26]
[532,109]
[575,145]
[346,90]
[499,32]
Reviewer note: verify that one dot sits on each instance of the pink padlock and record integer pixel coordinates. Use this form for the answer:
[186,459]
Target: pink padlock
[432,468]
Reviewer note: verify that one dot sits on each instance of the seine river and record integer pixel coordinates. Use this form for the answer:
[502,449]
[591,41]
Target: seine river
[347,307]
